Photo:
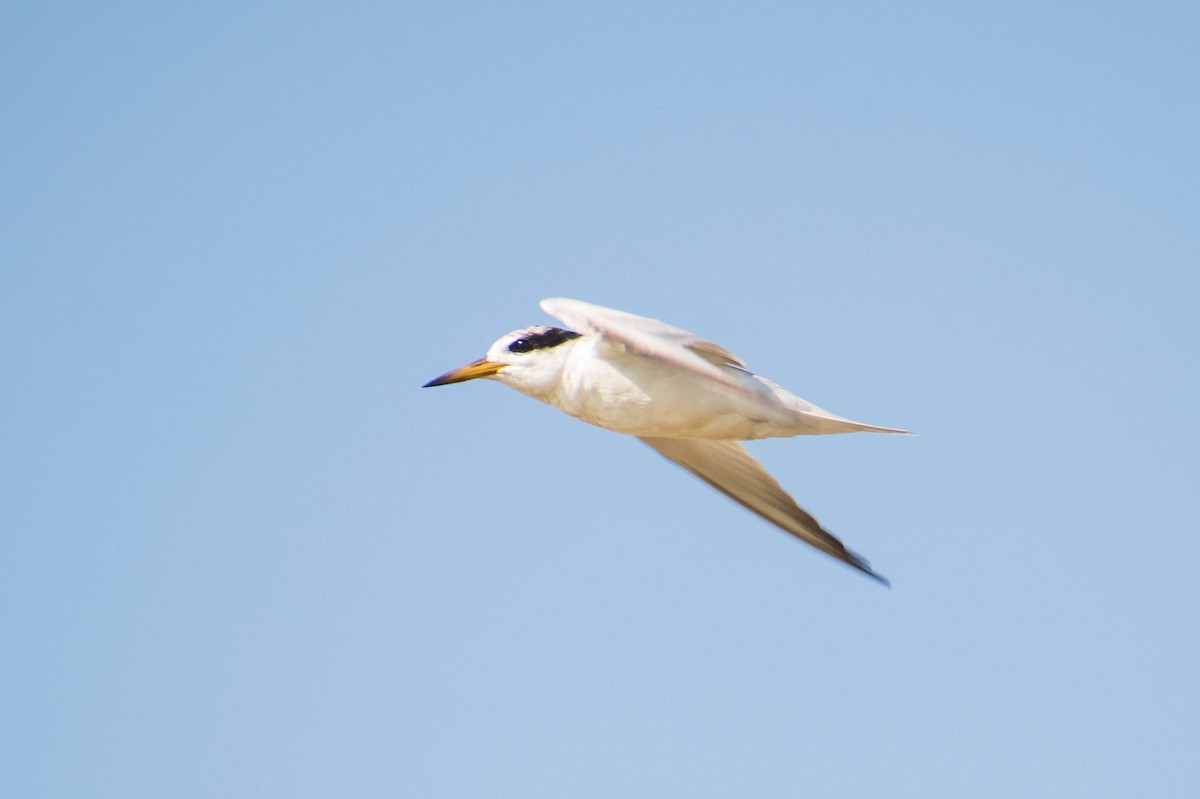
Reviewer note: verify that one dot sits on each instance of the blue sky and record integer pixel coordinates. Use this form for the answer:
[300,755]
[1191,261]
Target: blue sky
[243,553]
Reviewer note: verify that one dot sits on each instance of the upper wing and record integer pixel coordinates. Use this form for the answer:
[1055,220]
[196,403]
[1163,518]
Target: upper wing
[729,468]
[656,339]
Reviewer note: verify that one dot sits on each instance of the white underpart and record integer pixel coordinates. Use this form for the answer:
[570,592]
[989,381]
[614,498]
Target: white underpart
[643,377]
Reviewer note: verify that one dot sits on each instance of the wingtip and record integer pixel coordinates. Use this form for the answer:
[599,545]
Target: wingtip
[879,578]
[858,562]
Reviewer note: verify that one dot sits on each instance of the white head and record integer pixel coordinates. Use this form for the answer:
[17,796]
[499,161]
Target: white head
[531,360]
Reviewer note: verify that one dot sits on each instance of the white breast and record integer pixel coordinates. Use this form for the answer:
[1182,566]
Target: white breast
[627,393]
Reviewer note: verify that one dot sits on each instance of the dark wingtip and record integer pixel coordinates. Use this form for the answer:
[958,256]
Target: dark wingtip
[864,566]
[879,578]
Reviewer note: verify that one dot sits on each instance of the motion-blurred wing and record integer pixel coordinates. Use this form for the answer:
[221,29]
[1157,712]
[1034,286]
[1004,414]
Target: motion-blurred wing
[729,468]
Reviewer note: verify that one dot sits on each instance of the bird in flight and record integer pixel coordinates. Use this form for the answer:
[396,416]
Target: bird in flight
[688,398]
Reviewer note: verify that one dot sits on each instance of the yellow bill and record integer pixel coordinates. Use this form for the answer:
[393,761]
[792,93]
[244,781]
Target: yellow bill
[481,368]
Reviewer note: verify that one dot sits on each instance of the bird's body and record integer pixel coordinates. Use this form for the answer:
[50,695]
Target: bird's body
[686,397]
[624,391]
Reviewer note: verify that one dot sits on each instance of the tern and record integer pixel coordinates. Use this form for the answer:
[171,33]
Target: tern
[686,397]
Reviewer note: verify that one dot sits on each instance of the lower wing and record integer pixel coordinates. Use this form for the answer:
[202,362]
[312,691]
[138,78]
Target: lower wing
[729,468]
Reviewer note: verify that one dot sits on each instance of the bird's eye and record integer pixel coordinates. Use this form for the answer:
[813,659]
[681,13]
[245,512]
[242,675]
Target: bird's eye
[521,345]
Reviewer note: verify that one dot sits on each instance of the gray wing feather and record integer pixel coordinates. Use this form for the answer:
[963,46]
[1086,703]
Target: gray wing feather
[656,339]
[729,468]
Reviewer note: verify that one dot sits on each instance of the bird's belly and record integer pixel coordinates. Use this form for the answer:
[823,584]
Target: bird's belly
[665,405]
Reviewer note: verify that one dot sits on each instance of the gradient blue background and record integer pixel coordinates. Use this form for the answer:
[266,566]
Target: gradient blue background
[244,554]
